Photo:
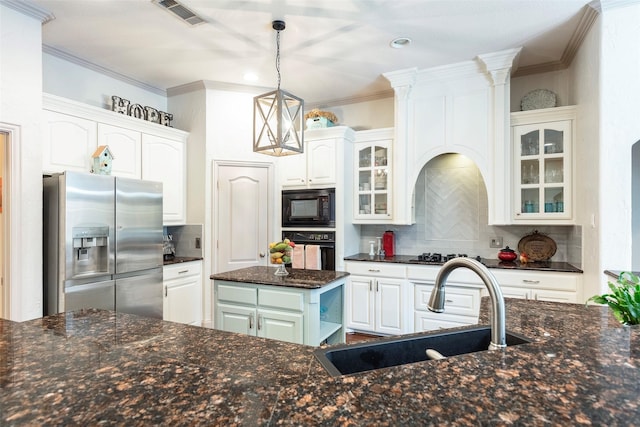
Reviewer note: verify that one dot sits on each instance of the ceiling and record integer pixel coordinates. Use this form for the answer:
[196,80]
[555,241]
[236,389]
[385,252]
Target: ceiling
[331,50]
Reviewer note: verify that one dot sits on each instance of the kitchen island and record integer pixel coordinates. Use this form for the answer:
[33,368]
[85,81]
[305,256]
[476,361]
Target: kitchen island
[98,367]
[303,307]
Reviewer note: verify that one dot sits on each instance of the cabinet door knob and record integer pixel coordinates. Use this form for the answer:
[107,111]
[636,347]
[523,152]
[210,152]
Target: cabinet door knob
[262,254]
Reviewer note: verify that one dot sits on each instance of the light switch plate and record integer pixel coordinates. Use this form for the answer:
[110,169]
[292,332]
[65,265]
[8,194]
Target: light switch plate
[495,242]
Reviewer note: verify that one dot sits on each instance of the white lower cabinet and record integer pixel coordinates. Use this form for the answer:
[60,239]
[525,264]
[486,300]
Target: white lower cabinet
[461,308]
[540,285]
[182,300]
[377,302]
[301,316]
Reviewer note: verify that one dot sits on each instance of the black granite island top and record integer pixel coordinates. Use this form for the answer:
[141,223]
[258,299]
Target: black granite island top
[101,368]
[557,266]
[297,278]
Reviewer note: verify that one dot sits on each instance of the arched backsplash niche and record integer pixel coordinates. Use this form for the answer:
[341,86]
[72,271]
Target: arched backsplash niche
[451,216]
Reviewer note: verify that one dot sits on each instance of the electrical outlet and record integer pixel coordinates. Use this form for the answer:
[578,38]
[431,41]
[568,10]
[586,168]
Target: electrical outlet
[496,242]
[197,243]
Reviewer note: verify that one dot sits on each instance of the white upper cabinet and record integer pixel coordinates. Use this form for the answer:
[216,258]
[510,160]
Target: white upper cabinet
[68,142]
[543,165]
[373,177]
[72,131]
[125,145]
[316,167]
[164,161]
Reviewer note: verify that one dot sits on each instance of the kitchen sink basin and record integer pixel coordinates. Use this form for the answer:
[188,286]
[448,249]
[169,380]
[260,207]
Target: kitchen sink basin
[393,351]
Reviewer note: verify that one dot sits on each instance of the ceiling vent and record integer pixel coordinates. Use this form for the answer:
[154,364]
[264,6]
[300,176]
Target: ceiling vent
[180,11]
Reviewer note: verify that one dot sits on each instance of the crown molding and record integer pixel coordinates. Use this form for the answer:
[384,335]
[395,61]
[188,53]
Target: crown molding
[590,13]
[605,5]
[100,69]
[30,9]
[350,100]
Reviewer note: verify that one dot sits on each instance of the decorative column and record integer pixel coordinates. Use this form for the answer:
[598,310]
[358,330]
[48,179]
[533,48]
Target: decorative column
[402,82]
[498,67]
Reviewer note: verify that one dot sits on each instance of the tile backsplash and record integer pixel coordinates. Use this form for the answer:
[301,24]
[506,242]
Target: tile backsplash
[451,212]
[184,239]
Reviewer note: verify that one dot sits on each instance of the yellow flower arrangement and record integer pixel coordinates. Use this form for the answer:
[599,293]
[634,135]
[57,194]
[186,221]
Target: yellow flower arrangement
[317,113]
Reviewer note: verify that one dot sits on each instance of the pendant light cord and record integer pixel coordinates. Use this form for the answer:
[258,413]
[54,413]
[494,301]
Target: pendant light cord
[278,56]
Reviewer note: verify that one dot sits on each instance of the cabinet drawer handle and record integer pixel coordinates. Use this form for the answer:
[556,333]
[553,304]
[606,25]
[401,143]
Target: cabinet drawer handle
[251,321]
[183,271]
[449,300]
[531,281]
[374,270]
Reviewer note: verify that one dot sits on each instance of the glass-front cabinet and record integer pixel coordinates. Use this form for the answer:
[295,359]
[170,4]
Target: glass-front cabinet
[372,178]
[542,169]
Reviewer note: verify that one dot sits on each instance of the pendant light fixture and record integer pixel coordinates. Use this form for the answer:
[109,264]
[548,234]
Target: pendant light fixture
[278,116]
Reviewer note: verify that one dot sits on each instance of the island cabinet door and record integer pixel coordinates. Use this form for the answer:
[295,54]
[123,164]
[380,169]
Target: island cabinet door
[280,325]
[236,318]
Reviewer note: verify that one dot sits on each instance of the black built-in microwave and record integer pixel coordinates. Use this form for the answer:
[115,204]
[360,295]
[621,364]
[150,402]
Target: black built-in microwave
[309,208]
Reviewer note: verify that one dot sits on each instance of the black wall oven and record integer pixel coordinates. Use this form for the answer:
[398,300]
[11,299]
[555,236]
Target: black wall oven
[309,208]
[326,240]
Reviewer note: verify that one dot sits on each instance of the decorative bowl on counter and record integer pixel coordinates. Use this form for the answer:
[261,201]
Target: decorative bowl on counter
[281,254]
[507,254]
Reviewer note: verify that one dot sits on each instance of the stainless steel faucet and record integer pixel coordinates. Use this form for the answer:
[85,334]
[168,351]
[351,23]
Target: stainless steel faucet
[436,301]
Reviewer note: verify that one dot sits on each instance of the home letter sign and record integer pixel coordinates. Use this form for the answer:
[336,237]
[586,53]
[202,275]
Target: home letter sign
[124,106]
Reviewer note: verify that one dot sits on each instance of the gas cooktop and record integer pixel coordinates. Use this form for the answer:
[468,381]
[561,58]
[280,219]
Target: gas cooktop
[436,258]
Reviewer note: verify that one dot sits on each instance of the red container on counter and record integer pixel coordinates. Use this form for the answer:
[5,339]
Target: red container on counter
[389,243]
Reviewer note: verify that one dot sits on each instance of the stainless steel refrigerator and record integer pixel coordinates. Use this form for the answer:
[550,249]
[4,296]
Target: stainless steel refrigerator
[102,244]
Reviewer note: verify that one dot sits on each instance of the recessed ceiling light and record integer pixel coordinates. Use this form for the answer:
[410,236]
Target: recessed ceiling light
[250,77]
[400,42]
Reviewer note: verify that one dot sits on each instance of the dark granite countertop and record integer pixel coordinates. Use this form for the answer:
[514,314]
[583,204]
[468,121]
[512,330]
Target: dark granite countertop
[181,259]
[297,278]
[101,368]
[490,263]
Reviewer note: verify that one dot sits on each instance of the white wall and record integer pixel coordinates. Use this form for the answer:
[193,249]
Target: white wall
[585,77]
[555,81]
[68,79]
[619,130]
[220,126]
[20,111]
[374,114]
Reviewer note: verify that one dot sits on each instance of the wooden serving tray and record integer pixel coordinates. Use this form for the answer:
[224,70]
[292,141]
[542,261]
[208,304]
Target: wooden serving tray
[538,247]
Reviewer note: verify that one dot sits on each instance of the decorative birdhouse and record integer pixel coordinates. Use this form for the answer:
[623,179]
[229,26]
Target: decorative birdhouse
[102,159]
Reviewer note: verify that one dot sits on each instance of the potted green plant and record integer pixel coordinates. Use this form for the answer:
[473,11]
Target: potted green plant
[624,299]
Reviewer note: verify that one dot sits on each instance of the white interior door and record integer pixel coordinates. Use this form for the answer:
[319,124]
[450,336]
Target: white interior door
[242,205]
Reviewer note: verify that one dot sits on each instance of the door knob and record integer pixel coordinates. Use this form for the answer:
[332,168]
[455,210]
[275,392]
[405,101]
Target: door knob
[262,254]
